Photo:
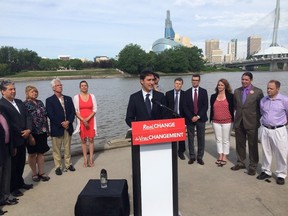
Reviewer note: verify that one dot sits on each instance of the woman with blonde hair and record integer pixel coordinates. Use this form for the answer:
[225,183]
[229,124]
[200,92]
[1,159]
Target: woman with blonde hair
[38,113]
[86,107]
[222,116]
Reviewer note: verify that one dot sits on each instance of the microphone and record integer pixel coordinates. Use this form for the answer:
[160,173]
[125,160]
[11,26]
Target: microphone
[165,107]
[156,102]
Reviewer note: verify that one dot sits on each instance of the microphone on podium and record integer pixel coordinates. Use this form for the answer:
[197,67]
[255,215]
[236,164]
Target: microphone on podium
[165,107]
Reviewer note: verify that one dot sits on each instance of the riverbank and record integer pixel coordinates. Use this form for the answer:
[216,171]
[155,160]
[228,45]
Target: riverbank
[87,74]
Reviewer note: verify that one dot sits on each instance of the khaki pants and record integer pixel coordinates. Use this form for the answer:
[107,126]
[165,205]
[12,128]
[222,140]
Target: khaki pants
[56,146]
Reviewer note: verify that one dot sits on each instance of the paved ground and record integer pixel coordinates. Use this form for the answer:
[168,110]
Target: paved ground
[203,190]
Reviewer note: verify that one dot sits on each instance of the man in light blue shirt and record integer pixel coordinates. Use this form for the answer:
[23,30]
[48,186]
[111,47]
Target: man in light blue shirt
[273,135]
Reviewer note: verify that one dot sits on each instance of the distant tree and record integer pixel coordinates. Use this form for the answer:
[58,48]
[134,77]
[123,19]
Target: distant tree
[18,60]
[151,59]
[179,59]
[4,70]
[75,64]
[132,59]
[48,64]
[87,64]
[195,58]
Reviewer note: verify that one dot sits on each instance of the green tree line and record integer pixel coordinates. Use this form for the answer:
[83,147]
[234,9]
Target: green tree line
[131,59]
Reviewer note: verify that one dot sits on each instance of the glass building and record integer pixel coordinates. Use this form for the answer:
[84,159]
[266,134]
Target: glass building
[162,44]
[168,41]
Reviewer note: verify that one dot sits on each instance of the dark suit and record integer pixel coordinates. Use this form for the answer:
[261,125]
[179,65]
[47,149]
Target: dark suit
[60,135]
[5,163]
[56,115]
[188,107]
[170,98]
[137,111]
[246,123]
[17,122]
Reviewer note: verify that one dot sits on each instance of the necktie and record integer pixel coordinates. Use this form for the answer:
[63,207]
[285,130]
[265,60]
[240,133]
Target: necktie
[195,102]
[176,103]
[244,96]
[148,104]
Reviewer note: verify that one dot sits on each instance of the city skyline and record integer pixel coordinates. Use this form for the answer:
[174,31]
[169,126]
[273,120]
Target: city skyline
[85,29]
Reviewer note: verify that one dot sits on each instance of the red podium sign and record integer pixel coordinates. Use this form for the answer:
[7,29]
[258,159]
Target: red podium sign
[158,131]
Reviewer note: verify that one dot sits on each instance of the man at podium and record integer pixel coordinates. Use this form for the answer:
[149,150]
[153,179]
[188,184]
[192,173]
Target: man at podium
[140,106]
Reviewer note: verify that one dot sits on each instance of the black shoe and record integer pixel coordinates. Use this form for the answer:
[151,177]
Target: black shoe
[251,172]
[71,168]
[238,167]
[280,181]
[8,202]
[181,156]
[191,161]
[200,161]
[2,212]
[263,176]
[27,186]
[17,193]
[58,171]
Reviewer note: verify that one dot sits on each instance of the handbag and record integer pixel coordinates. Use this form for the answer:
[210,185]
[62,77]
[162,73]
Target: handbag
[31,140]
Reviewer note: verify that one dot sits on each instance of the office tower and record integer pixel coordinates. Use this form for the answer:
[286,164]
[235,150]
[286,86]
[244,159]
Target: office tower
[253,45]
[185,41]
[211,45]
[216,56]
[169,32]
[232,49]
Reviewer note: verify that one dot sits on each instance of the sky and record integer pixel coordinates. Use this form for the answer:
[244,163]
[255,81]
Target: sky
[89,28]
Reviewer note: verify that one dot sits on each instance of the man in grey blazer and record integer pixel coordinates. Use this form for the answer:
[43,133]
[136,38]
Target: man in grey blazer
[246,122]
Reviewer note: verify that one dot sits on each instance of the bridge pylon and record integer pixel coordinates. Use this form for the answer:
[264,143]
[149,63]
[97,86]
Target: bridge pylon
[285,66]
[274,66]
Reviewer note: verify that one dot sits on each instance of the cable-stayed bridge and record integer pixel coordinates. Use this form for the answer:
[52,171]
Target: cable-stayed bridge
[276,56]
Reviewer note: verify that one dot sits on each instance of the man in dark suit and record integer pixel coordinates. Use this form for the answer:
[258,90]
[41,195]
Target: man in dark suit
[246,122]
[61,112]
[174,100]
[140,108]
[5,162]
[20,128]
[195,108]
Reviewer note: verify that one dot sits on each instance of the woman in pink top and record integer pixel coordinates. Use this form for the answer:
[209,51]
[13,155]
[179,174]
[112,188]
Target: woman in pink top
[222,116]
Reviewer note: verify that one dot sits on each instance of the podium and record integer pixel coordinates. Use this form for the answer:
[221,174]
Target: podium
[155,166]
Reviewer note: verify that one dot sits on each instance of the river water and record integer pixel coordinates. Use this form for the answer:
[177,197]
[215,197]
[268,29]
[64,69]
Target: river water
[112,95]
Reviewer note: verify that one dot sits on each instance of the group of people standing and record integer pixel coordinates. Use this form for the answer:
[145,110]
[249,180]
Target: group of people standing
[245,110]
[26,125]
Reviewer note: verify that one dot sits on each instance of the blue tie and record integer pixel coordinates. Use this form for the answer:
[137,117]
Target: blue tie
[148,104]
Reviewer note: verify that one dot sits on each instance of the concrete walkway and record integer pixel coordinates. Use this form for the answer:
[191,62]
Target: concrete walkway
[203,190]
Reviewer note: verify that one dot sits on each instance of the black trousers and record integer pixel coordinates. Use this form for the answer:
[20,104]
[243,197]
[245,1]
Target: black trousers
[200,127]
[17,168]
[181,146]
